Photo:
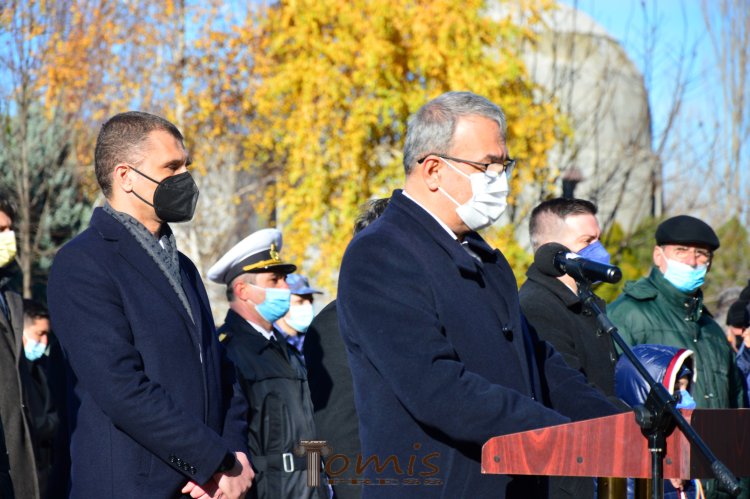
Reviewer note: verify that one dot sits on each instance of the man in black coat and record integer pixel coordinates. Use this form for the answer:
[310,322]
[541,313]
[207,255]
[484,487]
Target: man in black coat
[551,304]
[441,356]
[553,309]
[331,387]
[44,417]
[158,412]
[14,374]
[271,371]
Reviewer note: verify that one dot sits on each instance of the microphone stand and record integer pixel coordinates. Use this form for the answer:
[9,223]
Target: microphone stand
[658,416]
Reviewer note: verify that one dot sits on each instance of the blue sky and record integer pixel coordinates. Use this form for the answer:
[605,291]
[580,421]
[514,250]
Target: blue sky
[675,26]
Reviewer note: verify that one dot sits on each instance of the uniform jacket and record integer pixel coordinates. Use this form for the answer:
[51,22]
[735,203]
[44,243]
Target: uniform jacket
[157,401]
[14,377]
[442,360]
[651,310]
[274,381]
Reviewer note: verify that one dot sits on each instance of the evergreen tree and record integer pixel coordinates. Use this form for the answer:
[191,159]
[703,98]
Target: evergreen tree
[37,169]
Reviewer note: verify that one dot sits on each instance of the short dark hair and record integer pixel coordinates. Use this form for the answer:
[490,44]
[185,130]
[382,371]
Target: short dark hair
[121,139]
[32,311]
[7,205]
[369,212]
[557,209]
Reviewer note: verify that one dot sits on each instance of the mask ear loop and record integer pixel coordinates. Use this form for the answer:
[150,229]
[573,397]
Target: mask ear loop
[457,171]
[152,180]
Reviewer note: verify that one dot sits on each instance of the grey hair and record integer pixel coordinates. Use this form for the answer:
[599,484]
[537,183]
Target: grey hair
[430,130]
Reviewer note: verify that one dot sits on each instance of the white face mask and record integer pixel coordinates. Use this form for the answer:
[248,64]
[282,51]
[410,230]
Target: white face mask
[488,200]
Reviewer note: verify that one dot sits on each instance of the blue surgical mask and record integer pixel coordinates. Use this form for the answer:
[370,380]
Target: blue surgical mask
[34,349]
[683,276]
[275,305]
[686,400]
[300,317]
[595,252]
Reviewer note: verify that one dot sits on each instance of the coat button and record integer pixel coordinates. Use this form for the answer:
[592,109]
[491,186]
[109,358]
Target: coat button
[193,471]
[172,459]
[508,333]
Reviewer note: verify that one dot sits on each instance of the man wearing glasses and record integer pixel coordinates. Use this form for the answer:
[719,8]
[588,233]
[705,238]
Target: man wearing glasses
[667,308]
[441,357]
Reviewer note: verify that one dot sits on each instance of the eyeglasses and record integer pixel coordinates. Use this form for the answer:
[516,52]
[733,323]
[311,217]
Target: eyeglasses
[683,253]
[505,167]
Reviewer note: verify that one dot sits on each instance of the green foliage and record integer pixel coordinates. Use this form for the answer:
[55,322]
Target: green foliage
[631,252]
[51,207]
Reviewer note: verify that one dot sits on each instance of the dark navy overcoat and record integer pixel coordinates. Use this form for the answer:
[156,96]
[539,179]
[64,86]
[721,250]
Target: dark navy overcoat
[442,360]
[158,403]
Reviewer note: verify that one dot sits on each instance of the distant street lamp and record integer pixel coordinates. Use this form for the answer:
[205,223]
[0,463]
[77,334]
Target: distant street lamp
[570,180]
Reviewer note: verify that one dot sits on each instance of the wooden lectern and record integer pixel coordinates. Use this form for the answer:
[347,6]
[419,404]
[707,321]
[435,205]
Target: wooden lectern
[613,446]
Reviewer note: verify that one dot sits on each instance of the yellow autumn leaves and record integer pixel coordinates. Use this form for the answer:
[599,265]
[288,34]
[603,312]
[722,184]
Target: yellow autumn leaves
[310,96]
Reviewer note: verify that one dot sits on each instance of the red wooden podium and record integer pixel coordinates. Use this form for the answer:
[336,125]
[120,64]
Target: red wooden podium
[613,446]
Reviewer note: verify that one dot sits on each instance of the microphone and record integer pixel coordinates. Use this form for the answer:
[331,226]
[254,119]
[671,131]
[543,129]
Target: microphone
[555,260]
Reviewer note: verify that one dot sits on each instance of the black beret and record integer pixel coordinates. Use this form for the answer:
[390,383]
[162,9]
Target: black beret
[684,229]
[738,315]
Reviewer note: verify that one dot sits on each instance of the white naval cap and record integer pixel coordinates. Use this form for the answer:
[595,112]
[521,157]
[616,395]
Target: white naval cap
[258,252]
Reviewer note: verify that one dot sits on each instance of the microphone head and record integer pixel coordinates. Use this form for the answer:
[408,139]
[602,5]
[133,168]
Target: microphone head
[544,258]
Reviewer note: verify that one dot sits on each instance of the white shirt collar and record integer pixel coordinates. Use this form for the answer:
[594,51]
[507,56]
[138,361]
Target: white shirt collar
[267,334]
[442,224]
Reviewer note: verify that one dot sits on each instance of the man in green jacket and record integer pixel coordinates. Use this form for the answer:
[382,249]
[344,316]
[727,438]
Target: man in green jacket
[666,308]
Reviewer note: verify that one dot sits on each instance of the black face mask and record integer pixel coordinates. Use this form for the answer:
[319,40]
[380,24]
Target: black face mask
[175,197]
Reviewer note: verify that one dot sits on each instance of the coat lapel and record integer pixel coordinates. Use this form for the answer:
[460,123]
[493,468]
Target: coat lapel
[132,252]
[493,269]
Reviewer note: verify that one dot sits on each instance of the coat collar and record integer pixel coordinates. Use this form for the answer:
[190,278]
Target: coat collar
[130,250]
[555,286]
[657,286]
[459,255]
[235,324]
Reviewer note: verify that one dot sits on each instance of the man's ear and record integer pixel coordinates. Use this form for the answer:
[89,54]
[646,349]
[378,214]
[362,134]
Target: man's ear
[430,172]
[121,178]
[659,257]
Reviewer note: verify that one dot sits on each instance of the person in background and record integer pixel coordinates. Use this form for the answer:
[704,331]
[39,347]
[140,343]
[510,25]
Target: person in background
[551,304]
[270,370]
[14,374]
[666,308]
[295,323]
[330,380]
[44,417]
[738,332]
[674,368]
[553,308]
